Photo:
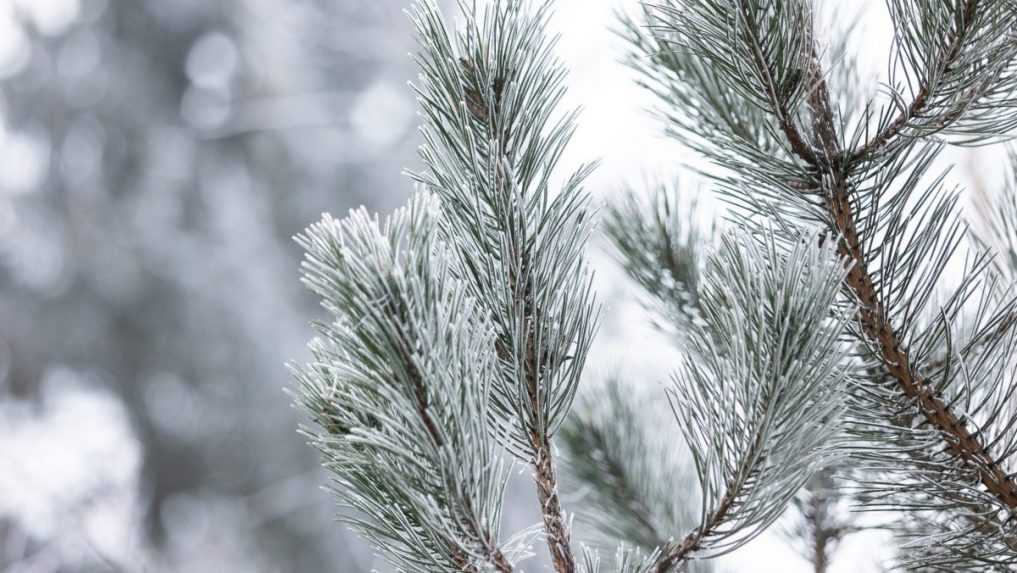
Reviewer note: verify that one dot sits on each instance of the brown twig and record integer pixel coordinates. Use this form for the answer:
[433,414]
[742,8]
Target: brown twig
[676,554]
[555,525]
[558,537]
[785,118]
[918,105]
[877,327]
[822,527]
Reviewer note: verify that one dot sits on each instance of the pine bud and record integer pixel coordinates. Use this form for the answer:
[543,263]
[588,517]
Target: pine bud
[790,84]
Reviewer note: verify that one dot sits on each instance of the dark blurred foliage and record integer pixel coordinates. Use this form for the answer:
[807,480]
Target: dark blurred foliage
[166,153]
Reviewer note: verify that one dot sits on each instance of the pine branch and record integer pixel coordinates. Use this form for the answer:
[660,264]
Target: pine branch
[964,40]
[920,101]
[678,554]
[824,540]
[897,240]
[822,523]
[647,240]
[760,393]
[399,390]
[879,330]
[779,96]
[489,96]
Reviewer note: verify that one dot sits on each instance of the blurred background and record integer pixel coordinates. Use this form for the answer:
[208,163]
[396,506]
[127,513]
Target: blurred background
[156,157]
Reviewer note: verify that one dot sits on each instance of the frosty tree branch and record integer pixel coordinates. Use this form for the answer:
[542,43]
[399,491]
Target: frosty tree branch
[898,241]
[762,386]
[399,391]
[489,97]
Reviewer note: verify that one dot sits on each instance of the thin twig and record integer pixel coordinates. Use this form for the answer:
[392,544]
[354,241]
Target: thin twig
[918,105]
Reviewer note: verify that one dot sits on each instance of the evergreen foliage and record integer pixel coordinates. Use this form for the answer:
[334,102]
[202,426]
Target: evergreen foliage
[409,357]
[818,332]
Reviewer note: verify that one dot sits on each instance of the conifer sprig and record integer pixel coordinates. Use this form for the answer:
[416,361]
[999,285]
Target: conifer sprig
[954,72]
[398,389]
[661,246]
[493,137]
[760,394]
[635,487]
